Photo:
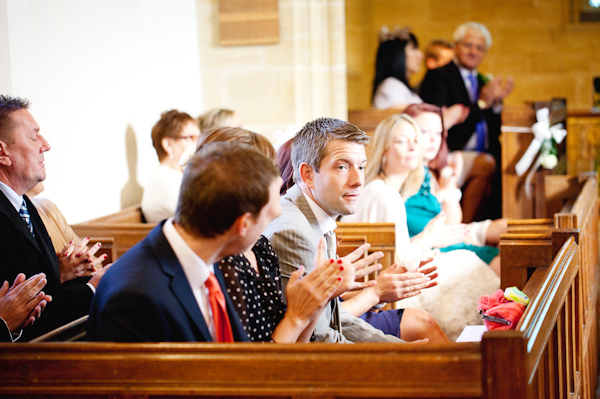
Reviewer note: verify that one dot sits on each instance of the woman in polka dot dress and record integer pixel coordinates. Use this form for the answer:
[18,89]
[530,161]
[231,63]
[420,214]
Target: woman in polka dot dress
[254,285]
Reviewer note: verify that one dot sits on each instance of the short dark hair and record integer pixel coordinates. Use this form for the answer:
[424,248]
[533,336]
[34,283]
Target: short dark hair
[310,142]
[8,105]
[170,124]
[222,182]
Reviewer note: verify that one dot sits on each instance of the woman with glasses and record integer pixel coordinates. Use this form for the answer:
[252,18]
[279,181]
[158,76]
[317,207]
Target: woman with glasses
[171,136]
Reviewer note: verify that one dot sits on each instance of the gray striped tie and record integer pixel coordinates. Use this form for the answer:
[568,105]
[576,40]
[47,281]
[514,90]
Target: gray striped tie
[331,244]
[24,213]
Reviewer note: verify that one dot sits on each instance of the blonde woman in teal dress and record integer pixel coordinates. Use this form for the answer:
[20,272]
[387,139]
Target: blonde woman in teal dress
[395,172]
[440,195]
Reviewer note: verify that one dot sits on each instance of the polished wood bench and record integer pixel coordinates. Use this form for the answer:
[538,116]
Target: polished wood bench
[529,245]
[381,236]
[126,227]
[579,211]
[536,358]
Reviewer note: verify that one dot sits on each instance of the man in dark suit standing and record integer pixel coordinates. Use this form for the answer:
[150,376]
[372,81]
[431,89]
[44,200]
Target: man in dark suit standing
[24,242]
[459,82]
[162,288]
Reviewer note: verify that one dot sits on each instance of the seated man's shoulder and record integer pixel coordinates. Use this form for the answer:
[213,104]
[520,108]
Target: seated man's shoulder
[291,219]
[138,265]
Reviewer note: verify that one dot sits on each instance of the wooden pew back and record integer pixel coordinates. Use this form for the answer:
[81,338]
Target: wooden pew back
[542,358]
[381,236]
[499,367]
[515,118]
[126,228]
[579,204]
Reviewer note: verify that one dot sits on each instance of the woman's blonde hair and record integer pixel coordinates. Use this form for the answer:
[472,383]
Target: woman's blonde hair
[237,135]
[218,117]
[383,138]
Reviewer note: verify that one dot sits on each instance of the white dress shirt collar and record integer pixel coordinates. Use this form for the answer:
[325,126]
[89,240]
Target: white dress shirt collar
[195,269]
[15,199]
[326,222]
[464,71]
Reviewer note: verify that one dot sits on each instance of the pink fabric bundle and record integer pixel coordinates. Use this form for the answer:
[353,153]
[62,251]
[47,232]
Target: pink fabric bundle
[498,312]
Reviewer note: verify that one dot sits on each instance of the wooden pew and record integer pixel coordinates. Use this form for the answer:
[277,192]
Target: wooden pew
[583,141]
[519,260]
[542,358]
[368,119]
[506,364]
[381,236]
[126,228]
[515,204]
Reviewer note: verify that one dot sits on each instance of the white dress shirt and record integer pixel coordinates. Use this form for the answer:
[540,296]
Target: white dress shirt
[195,269]
[15,199]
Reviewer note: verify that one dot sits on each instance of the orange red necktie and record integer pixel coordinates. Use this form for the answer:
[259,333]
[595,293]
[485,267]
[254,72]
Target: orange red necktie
[219,310]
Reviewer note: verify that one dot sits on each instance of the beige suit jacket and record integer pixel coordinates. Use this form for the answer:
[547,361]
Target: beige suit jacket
[295,238]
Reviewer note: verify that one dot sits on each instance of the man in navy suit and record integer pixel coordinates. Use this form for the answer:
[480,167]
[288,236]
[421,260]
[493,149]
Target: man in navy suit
[25,246]
[158,290]
[459,82]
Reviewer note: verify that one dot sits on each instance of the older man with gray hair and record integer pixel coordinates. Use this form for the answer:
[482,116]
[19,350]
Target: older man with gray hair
[459,82]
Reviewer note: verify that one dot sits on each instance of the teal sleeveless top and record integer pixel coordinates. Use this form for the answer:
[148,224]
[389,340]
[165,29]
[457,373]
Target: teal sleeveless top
[424,206]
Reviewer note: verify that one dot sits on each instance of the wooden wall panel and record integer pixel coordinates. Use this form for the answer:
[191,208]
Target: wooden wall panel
[244,22]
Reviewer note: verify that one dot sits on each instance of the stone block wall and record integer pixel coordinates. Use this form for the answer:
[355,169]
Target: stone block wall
[274,86]
[536,42]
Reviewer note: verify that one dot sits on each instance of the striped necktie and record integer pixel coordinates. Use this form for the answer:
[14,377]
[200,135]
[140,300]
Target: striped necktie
[331,244]
[24,213]
[479,127]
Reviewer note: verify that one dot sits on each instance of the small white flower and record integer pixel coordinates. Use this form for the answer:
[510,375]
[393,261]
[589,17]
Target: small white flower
[549,161]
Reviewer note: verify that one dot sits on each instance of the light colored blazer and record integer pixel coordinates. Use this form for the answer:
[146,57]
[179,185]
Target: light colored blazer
[295,237]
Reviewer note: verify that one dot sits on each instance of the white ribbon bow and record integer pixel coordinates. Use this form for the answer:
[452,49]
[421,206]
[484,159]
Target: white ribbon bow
[542,131]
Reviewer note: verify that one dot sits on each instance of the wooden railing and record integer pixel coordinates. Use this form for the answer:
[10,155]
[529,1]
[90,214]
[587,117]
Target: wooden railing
[506,364]
[126,227]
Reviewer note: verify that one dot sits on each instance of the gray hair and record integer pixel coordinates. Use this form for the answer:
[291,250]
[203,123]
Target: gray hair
[8,105]
[309,144]
[461,32]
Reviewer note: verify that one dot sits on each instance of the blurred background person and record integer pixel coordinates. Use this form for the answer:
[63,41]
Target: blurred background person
[438,53]
[398,58]
[477,137]
[219,117]
[171,136]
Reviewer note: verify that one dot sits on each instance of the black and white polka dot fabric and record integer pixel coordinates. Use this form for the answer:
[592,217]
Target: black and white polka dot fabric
[256,296]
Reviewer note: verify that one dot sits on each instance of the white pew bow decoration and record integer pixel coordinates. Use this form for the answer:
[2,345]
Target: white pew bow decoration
[542,150]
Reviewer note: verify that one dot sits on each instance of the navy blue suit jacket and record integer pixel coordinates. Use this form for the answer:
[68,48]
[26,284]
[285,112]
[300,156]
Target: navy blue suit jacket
[445,86]
[145,296]
[20,252]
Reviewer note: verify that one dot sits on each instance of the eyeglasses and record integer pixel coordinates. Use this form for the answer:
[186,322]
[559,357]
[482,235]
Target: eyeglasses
[470,46]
